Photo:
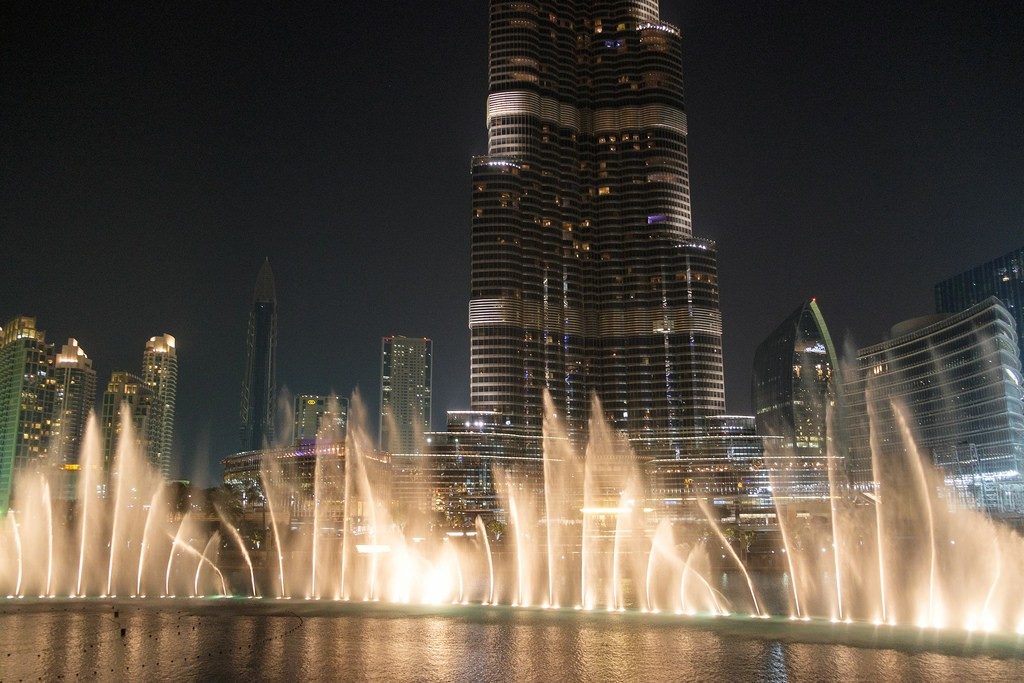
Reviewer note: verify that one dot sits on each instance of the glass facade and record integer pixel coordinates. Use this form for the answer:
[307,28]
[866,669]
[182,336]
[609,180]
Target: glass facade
[406,364]
[314,413]
[258,386]
[586,276]
[958,380]
[794,392]
[1002,278]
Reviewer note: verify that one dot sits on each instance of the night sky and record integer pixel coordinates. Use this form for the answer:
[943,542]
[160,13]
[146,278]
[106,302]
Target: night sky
[153,156]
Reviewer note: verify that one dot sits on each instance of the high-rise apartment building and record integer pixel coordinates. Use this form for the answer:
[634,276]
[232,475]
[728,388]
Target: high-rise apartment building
[160,373]
[74,397]
[405,370]
[258,386]
[126,391]
[957,380]
[586,276]
[1002,278]
[795,392]
[26,401]
[316,414]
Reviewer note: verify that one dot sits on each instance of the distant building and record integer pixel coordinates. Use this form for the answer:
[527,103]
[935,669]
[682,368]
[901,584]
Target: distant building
[1002,278]
[160,373]
[958,380]
[405,378]
[26,401]
[794,393]
[126,391]
[315,413]
[74,398]
[259,385]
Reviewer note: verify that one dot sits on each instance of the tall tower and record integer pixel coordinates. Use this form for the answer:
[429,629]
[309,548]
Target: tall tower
[160,373]
[586,276]
[75,395]
[405,368]
[258,387]
[26,400]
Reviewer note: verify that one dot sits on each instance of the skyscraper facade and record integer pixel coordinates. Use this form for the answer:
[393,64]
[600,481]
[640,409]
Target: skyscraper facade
[405,377]
[315,413]
[795,392]
[258,386]
[957,380]
[1002,278]
[586,276]
[74,397]
[160,373]
[26,401]
[126,391]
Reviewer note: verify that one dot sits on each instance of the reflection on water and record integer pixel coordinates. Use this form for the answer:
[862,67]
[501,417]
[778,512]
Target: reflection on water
[203,641]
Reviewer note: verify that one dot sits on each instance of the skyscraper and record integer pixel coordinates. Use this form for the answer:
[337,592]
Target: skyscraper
[126,391]
[258,386]
[795,389]
[160,373]
[314,413]
[405,369]
[1002,278]
[26,400]
[75,395]
[586,276]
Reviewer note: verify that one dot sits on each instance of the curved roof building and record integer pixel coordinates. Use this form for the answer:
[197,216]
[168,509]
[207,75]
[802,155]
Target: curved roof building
[794,393]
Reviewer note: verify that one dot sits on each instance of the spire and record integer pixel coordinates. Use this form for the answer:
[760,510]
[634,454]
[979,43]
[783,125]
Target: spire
[265,283]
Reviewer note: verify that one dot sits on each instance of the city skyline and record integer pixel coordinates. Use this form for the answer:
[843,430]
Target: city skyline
[329,320]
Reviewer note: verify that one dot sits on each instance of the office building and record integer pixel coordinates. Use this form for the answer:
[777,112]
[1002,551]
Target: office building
[957,378]
[1002,278]
[794,393]
[405,374]
[586,275]
[259,385]
[26,401]
[160,373]
[316,415]
[74,398]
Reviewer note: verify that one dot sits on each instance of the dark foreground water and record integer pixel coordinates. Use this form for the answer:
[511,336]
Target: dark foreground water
[275,640]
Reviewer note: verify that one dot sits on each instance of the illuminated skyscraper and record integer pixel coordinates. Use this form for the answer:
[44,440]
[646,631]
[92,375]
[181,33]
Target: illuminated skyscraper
[160,373]
[26,400]
[405,369]
[586,276]
[126,391]
[313,414]
[794,393]
[75,395]
[258,387]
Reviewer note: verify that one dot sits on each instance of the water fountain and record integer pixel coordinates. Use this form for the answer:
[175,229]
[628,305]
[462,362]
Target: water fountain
[584,540]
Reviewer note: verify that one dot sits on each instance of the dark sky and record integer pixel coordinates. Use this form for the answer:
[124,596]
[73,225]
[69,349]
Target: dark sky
[153,154]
